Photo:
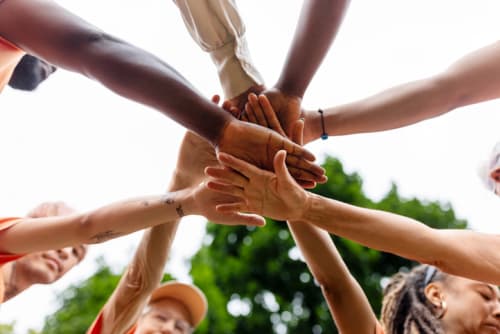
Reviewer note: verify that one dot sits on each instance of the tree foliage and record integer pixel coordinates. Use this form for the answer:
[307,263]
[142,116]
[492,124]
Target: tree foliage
[254,279]
[256,283]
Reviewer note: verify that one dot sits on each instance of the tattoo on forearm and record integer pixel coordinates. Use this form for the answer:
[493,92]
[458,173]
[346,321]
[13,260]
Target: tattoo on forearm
[179,210]
[104,236]
[167,200]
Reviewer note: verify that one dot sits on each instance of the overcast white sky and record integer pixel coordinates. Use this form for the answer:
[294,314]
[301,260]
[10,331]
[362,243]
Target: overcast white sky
[73,140]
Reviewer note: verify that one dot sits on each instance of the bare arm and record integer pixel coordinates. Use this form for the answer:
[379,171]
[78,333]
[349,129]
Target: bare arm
[44,29]
[346,300]
[318,24]
[141,277]
[472,79]
[458,252]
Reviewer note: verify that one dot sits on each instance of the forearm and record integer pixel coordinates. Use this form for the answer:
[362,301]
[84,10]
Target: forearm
[110,221]
[472,79]
[318,24]
[141,277]
[67,41]
[454,251]
[346,300]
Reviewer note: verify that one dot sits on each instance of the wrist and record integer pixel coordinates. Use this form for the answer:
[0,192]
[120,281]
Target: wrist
[306,209]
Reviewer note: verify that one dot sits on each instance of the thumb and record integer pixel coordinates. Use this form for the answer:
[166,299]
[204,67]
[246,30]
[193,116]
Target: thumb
[280,167]
[297,134]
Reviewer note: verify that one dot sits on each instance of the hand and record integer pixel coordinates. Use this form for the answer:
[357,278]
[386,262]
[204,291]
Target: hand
[195,154]
[254,190]
[236,105]
[50,209]
[258,145]
[207,200]
[286,108]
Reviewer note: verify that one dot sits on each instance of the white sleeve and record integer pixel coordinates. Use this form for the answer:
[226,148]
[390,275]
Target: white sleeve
[218,29]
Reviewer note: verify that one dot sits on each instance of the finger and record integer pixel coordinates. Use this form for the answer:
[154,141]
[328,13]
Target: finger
[226,189]
[231,207]
[237,218]
[226,175]
[306,184]
[253,101]
[216,99]
[250,114]
[244,117]
[271,117]
[297,150]
[307,167]
[242,167]
[301,175]
[298,132]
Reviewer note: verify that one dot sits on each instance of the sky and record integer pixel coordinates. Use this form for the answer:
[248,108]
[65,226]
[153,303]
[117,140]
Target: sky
[75,141]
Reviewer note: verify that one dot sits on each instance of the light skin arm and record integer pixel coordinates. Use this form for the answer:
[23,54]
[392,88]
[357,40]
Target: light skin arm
[146,268]
[114,220]
[346,300]
[141,277]
[458,252]
[473,78]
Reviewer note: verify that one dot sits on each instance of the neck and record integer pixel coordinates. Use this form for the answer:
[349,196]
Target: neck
[14,284]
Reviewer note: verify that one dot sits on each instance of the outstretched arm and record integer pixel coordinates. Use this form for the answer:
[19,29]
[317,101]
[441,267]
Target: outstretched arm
[472,79]
[44,29]
[458,252]
[346,300]
[141,277]
[48,31]
[145,270]
[318,25]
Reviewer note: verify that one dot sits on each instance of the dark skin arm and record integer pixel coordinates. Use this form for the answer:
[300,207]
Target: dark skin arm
[48,31]
[318,25]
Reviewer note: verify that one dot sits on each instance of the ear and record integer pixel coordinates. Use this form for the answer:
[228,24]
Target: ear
[434,293]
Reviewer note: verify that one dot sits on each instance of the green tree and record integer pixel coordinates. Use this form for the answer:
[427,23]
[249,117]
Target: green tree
[255,282]
[254,279]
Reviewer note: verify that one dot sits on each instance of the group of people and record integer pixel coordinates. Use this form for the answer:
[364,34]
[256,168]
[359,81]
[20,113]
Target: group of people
[244,160]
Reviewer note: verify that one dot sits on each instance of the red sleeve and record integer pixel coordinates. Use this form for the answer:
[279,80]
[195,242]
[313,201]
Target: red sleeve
[96,327]
[6,223]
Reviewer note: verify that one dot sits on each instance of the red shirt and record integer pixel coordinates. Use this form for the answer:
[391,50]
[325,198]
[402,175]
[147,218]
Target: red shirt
[6,223]
[10,56]
[97,326]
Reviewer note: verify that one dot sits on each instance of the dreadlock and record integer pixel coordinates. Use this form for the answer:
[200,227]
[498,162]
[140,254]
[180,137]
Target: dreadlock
[405,308]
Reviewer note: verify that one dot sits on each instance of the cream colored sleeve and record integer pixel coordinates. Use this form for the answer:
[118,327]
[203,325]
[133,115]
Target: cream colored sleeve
[218,29]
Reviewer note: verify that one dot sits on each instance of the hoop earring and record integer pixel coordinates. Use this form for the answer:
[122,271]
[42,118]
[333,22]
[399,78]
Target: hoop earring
[443,307]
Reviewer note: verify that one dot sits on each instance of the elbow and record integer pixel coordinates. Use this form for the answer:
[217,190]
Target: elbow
[90,230]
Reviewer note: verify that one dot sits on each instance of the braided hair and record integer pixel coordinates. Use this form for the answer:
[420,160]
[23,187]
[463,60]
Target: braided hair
[405,308]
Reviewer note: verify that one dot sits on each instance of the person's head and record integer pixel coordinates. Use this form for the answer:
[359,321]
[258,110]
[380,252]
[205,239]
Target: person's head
[174,308]
[30,72]
[48,266]
[490,171]
[426,300]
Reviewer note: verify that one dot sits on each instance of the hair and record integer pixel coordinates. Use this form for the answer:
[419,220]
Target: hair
[405,308]
[28,74]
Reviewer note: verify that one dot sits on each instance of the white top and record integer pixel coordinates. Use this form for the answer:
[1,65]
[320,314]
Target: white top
[218,29]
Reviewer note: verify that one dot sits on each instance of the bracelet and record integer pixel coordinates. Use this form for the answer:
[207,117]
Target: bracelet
[324,135]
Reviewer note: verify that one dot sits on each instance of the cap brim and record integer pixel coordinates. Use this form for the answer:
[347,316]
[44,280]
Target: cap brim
[189,295]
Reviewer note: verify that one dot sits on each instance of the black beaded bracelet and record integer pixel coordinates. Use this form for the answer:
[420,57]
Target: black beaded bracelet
[324,135]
